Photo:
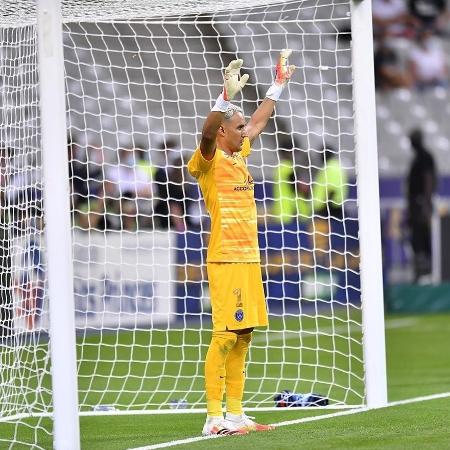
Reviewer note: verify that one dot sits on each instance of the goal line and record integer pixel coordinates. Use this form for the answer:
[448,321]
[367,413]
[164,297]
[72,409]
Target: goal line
[303,420]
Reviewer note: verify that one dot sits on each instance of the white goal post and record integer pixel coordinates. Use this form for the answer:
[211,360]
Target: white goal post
[104,298]
[369,205]
[66,433]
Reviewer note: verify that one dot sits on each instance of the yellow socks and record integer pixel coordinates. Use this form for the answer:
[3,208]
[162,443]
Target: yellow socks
[235,373]
[225,368]
[221,344]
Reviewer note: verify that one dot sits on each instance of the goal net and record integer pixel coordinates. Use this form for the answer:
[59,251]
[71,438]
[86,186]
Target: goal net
[140,79]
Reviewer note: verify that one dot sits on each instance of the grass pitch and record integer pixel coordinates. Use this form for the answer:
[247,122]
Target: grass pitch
[418,362]
[421,425]
[418,353]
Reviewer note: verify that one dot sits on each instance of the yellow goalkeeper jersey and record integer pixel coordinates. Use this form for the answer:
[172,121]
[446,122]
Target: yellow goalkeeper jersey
[228,191]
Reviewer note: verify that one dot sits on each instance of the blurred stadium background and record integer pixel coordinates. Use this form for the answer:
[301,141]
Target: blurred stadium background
[112,69]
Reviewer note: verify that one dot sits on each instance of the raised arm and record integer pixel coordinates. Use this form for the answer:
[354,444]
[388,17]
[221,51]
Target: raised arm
[260,117]
[209,133]
[232,84]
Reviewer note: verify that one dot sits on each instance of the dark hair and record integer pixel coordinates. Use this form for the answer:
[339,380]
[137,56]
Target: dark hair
[329,152]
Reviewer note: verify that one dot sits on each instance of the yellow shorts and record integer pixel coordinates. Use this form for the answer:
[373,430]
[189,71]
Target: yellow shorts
[237,296]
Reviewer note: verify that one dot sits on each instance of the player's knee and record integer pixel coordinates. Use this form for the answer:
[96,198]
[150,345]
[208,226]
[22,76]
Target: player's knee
[245,338]
[225,339]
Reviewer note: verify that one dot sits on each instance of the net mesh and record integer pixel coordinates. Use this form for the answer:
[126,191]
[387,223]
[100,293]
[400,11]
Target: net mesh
[24,375]
[140,81]
[138,93]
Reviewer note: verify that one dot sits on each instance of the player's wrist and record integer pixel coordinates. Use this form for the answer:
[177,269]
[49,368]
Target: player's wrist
[283,73]
[221,104]
[275,91]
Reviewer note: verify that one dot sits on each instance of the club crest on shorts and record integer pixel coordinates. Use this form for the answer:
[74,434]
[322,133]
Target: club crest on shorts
[239,315]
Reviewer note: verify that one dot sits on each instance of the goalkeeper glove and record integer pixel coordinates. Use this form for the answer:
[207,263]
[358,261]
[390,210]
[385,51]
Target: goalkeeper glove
[283,73]
[232,84]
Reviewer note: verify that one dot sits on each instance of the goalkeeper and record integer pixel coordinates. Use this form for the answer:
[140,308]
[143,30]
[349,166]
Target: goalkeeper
[233,262]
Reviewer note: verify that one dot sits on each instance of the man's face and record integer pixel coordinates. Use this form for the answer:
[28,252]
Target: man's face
[234,132]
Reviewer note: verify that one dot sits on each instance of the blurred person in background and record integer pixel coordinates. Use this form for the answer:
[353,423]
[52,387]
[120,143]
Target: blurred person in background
[95,213]
[20,212]
[128,214]
[421,186]
[127,180]
[149,161]
[91,209]
[430,14]
[389,74]
[330,186]
[95,170]
[428,62]
[390,17]
[22,189]
[143,161]
[329,192]
[172,209]
[291,192]
[168,151]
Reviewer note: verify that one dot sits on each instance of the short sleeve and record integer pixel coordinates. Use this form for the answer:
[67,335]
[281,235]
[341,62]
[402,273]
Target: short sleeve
[198,164]
[246,149]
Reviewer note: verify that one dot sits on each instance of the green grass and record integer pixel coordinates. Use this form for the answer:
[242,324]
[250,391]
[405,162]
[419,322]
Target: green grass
[423,425]
[418,364]
[107,377]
